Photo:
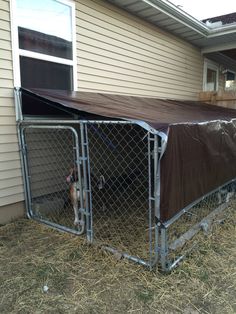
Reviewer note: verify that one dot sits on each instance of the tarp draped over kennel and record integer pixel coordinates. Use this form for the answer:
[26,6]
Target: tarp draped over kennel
[201,139]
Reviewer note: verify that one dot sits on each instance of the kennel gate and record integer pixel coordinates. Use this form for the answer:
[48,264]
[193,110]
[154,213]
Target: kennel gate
[118,165]
[48,153]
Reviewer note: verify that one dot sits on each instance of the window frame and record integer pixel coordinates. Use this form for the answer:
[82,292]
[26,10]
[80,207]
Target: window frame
[229,89]
[17,52]
[208,64]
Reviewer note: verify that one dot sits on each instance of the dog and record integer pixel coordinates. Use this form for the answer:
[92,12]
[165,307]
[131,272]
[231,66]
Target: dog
[74,195]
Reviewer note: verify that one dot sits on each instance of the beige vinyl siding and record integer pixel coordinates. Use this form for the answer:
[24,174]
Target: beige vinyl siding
[119,53]
[11,188]
[222,78]
[116,53]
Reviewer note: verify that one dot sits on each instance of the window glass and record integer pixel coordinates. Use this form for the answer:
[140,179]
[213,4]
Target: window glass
[230,82]
[37,73]
[45,26]
[230,76]
[211,79]
[45,36]
[43,43]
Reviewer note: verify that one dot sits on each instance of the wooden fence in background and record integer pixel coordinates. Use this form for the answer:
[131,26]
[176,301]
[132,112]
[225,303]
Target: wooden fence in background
[221,98]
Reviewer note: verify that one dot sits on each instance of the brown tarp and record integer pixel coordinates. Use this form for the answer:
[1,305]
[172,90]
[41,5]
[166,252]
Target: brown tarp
[201,146]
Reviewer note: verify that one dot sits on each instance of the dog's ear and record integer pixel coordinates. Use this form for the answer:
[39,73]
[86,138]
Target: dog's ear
[74,173]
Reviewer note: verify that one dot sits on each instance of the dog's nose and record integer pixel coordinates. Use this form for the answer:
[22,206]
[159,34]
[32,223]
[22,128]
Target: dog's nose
[68,179]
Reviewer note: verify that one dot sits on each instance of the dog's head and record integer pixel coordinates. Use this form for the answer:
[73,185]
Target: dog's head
[73,176]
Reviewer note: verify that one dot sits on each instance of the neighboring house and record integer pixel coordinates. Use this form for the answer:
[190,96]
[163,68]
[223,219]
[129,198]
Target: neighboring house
[228,54]
[134,47]
[223,19]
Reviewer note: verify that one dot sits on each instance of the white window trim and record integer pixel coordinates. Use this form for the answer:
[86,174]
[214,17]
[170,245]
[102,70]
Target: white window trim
[17,52]
[208,64]
[44,57]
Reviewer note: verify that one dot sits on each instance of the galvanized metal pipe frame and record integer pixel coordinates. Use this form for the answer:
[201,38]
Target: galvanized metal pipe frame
[87,183]
[153,209]
[151,203]
[154,172]
[161,229]
[157,252]
[26,176]
[166,264]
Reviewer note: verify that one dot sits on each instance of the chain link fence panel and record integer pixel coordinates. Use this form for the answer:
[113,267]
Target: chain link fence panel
[120,179]
[50,153]
[119,164]
[178,236]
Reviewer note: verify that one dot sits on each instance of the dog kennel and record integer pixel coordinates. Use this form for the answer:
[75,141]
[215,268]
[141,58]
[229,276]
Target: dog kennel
[151,173]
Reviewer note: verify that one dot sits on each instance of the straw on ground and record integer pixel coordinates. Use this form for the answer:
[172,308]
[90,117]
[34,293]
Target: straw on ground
[83,279]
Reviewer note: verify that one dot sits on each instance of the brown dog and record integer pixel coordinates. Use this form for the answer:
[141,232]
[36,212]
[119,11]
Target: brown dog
[74,193]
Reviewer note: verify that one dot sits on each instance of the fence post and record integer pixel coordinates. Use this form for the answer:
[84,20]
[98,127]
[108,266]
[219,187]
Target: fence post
[86,177]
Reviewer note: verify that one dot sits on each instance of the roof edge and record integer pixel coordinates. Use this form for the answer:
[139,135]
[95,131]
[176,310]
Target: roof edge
[181,16]
[223,30]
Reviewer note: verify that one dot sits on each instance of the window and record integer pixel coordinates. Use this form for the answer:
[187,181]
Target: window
[44,44]
[211,76]
[230,81]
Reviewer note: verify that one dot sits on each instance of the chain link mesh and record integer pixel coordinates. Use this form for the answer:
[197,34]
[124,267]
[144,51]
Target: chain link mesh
[50,155]
[119,180]
[181,233]
[121,166]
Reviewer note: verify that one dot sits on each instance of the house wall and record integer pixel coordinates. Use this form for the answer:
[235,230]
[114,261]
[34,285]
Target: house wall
[119,53]
[11,188]
[116,53]
[221,86]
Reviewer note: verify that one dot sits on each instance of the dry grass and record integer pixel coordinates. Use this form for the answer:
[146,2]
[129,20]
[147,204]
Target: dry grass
[83,279]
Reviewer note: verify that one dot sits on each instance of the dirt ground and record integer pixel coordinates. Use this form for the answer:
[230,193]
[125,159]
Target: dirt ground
[83,279]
